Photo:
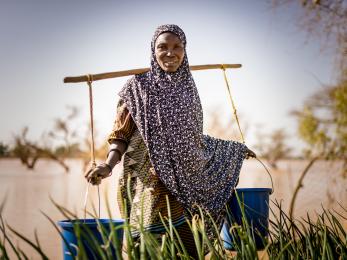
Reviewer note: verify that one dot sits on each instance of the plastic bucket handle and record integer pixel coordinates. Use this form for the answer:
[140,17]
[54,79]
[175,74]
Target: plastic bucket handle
[268,172]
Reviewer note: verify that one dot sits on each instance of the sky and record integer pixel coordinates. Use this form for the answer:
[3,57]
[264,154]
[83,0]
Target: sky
[44,41]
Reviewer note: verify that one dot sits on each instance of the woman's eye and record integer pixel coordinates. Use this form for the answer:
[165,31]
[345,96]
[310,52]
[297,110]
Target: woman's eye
[161,47]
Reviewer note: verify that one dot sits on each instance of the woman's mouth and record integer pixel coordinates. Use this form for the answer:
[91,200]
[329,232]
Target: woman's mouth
[170,63]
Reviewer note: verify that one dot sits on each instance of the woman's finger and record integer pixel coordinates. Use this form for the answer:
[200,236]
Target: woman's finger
[95,180]
[250,153]
[88,172]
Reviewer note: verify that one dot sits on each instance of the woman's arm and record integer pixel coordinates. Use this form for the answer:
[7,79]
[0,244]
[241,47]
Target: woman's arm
[104,170]
[119,138]
[116,151]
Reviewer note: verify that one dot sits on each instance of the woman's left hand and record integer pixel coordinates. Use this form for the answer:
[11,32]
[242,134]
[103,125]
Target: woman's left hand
[250,154]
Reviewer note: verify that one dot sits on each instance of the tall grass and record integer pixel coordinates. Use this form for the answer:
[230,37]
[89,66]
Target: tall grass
[322,238]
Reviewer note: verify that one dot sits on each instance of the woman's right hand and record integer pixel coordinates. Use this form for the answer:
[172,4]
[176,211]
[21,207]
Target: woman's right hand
[250,154]
[96,174]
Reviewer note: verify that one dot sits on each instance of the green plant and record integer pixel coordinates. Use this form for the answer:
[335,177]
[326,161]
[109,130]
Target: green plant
[323,238]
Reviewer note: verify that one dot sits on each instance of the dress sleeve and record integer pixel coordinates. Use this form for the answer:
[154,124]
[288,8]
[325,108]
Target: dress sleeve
[124,126]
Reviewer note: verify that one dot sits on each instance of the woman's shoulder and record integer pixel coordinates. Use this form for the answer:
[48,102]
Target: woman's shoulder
[137,78]
[142,76]
[137,82]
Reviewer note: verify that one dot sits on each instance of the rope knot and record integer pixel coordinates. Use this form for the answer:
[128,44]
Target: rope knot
[89,78]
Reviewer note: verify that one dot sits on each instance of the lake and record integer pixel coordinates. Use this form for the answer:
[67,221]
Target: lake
[28,192]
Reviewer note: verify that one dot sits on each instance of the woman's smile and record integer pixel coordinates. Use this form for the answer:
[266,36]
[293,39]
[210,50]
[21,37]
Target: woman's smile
[170,63]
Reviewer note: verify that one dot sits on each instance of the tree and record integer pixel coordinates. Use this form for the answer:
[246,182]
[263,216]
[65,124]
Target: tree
[225,129]
[61,142]
[4,150]
[322,124]
[325,20]
[272,146]
[322,121]
[30,152]
[64,133]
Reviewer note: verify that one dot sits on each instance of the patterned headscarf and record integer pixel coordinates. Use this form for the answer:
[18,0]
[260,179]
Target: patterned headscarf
[196,168]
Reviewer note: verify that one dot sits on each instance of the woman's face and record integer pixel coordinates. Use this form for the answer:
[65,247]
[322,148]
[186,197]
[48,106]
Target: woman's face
[169,51]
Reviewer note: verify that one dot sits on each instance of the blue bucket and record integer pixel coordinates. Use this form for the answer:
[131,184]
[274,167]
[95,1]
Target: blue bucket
[90,236]
[255,202]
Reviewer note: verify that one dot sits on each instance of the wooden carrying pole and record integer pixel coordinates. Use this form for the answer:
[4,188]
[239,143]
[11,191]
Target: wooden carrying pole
[124,73]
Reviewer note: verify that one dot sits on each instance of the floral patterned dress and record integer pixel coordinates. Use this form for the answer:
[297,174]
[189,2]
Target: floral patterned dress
[139,183]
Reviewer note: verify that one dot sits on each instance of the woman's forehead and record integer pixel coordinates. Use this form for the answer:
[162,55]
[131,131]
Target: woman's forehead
[168,37]
[172,28]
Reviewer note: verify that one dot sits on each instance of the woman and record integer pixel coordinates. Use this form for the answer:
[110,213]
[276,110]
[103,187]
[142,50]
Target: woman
[159,129]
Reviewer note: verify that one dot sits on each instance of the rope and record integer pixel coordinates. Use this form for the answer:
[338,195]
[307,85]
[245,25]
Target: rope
[85,201]
[92,143]
[238,124]
[232,103]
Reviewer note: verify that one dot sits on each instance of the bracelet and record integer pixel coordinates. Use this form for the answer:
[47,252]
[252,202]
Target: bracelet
[115,150]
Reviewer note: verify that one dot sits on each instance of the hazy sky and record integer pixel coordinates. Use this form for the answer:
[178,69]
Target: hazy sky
[44,41]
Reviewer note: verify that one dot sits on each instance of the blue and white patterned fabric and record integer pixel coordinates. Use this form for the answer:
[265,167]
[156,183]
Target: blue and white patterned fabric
[196,168]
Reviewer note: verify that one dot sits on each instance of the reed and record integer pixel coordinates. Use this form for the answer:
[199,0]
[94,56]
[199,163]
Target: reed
[305,238]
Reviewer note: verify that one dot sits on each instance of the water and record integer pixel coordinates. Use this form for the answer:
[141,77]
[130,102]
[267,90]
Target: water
[29,191]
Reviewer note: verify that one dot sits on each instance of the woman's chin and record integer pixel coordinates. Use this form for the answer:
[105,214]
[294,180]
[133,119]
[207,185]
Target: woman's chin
[170,68]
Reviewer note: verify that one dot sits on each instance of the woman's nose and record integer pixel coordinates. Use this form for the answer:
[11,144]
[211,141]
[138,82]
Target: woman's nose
[169,53]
